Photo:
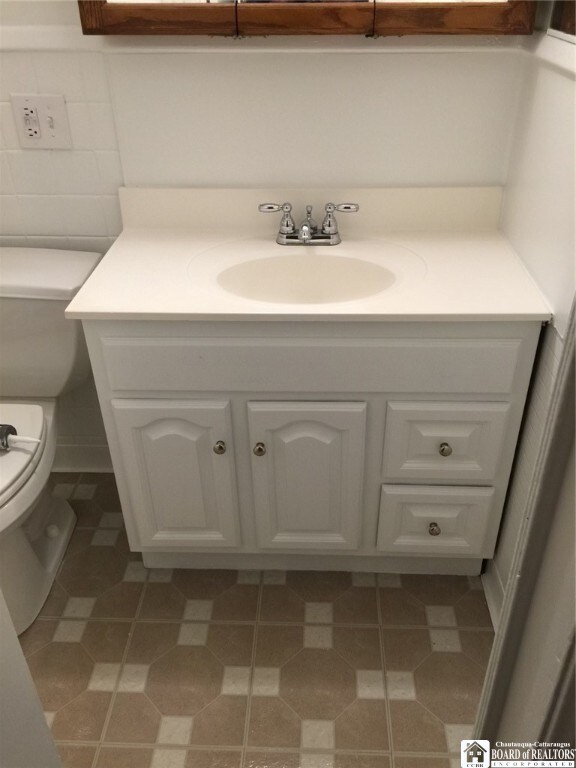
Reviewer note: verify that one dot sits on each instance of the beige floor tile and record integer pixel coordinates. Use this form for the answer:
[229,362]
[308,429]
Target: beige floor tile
[400,685]
[317,684]
[472,610]
[193,634]
[69,631]
[279,603]
[276,644]
[236,681]
[318,637]
[175,730]
[266,681]
[38,635]
[477,646]
[184,680]
[168,758]
[421,762]
[318,613]
[361,761]
[133,678]
[455,734]
[222,723]
[124,757]
[162,601]
[449,685]
[55,603]
[61,672]
[316,761]
[92,571]
[318,586]
[440,616]
[415,729]
[150,640]
[273,724]
[271,760]
[436,590]
[358,605]
[399,607]
[82,719]
[359,646]
[213,759]
[445,640]
[76,756]
[104,677]
[105,641]
[232,644]
[119,602]
[134,720]
[318,734]
[370,684]
[363,726]
[88,514]
[405,649]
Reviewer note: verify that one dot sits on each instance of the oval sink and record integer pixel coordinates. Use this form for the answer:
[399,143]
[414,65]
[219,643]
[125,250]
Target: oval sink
[306,278]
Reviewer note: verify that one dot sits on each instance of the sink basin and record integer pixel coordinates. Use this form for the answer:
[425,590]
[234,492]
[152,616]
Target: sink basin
[306,278]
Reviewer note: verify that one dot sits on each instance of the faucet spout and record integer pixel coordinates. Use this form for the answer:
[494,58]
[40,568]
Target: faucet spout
[305,233]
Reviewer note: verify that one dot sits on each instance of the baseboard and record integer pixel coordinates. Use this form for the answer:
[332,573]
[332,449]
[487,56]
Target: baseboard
[82,458]
[494,592]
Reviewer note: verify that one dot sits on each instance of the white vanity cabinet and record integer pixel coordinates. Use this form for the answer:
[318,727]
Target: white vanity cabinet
[365,445]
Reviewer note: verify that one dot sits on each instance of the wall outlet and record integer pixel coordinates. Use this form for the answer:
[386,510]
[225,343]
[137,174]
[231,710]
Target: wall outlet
[41,121]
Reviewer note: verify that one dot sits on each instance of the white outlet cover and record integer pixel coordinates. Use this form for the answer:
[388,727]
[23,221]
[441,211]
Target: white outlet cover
[41,121]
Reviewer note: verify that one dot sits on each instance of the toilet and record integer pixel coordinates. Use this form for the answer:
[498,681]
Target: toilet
[41,355]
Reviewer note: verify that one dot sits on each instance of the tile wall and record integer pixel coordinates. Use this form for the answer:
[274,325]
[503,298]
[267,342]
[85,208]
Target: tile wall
[60,198]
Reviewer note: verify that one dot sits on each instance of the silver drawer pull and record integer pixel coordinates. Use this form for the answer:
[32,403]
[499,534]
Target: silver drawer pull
[220,447]
[445,449]
[259,449]
[434,529]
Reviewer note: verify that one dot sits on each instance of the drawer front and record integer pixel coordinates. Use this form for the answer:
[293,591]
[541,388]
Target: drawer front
[436,520]
[311,365]
[444,442]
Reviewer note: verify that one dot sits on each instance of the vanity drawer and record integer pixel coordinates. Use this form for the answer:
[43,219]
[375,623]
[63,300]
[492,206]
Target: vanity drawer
[312,364]
[436,520]
[444,442]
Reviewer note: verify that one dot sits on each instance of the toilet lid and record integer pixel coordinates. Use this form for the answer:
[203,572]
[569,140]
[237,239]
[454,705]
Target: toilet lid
[17,464]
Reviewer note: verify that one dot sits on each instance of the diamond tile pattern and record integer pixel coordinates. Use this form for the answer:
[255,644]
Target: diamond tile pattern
[152,668]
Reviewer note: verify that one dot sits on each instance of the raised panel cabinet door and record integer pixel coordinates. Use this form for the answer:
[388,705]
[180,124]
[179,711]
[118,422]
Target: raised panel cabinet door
[308,473]
[177,456]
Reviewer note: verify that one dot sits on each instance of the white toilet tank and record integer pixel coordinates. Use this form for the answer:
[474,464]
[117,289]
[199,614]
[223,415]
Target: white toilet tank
[41,353]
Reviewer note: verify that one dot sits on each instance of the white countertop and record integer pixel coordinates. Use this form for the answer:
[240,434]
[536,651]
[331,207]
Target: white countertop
[171,274]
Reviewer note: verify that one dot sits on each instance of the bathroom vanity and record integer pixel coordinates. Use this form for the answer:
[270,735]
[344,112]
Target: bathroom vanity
[368,433]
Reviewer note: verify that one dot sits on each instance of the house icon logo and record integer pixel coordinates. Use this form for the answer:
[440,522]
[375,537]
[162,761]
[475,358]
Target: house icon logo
[475,754]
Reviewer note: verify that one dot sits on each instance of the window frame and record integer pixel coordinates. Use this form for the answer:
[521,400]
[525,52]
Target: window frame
[372,18]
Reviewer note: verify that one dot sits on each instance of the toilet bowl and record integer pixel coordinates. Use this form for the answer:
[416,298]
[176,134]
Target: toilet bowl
[42,354]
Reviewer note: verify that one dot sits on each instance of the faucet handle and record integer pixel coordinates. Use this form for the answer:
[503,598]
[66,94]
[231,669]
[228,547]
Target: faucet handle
[330,225]
[287,225]
[343,207]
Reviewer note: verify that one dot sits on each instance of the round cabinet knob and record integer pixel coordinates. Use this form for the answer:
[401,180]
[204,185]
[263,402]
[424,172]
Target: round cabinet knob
[220,447]
[445,449]
[259,449]
[434,529]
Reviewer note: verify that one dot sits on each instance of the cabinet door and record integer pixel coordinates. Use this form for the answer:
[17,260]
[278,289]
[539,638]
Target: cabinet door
[307,469]
[177,456]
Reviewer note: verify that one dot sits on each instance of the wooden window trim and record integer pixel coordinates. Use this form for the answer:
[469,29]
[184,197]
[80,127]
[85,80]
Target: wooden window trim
[372,18]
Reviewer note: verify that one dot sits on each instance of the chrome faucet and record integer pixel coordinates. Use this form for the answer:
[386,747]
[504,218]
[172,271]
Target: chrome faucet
[308,233]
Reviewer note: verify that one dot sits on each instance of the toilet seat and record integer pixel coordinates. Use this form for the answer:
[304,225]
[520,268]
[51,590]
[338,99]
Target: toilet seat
[19,463]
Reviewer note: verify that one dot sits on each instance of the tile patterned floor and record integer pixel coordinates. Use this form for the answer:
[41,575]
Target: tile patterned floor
[141,668]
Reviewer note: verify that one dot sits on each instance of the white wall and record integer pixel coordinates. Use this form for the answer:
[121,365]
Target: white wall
[274,118]
[538,217]
[539,205]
